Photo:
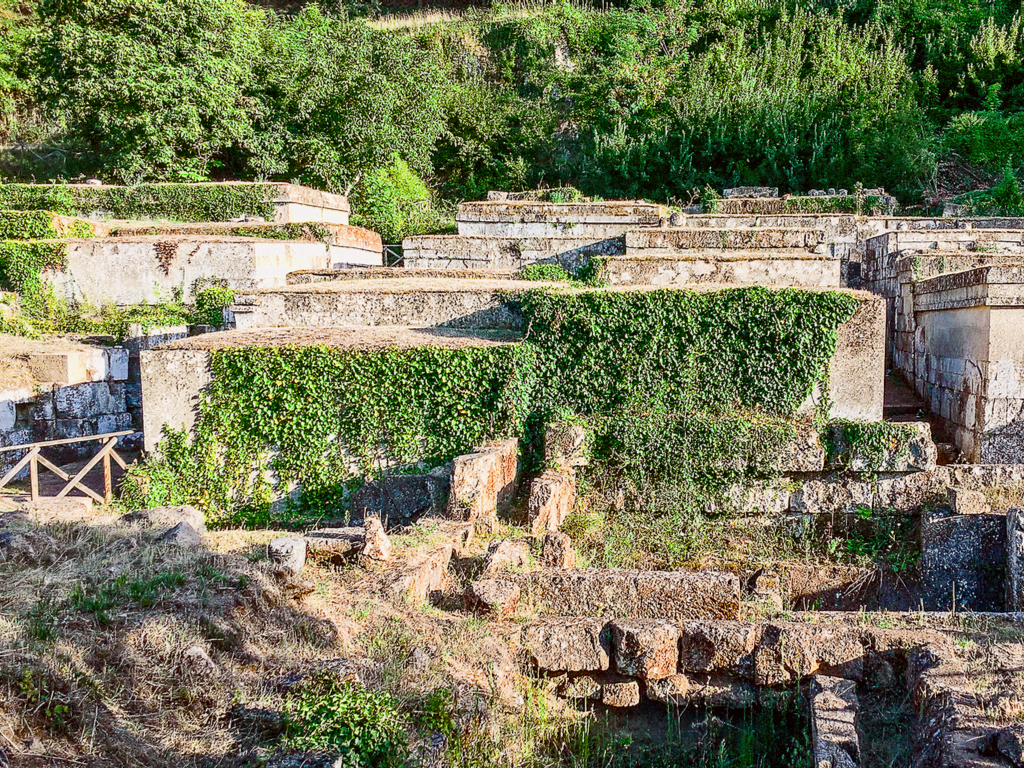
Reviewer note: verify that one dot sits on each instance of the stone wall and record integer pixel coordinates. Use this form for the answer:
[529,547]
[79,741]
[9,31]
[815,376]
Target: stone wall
[590,221]
[498,253]
[92,404]
[958,343]
[150,269]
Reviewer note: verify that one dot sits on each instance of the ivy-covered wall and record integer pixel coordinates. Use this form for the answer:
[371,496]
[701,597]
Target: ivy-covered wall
[41,225]
[175,202]
[711,382]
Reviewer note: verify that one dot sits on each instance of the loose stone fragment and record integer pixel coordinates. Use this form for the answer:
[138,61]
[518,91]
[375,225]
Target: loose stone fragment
[377,545]
[288,553]
[552,496]
[966,502]
[181,535]
[30,547]
[625,694]
[334,545]
[504,556]
[494,597]
[166,517]
[557,551]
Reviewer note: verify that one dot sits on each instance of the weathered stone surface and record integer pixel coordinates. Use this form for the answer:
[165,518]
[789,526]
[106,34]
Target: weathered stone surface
[804,453]
[483,481]
[645,648]
[718,647]
[504,556]
[1010,743]
[414,582]
[580,687]
[288,552]
[624,694]
[568,645]
[334,545]
[966,502]
[788,651]
[625,594]
[27,546]
[918,454]
[565,445]
[165,517]
[715,691]
[377,545]
[50,511]
[1015,559]
[402,499]
[492,597]
[965,556]
[181,535]
[823,587]
[833,730]
[833,495]
[557,551]
[552,496]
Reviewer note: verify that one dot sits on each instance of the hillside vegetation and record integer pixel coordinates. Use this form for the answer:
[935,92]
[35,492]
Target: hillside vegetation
[650,99]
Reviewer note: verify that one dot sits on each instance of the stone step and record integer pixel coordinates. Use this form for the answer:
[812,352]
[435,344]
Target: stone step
[306,276]
[629,594]
[644,242]
[364,244]
[443,303]
[794,267]
[571,249]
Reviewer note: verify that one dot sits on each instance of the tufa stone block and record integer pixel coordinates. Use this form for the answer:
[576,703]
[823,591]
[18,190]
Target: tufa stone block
[966,502]
[568,645]
[646,648]
[552,496]
[482,482]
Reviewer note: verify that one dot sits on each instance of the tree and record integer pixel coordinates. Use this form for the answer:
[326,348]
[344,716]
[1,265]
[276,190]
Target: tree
[149,88]
[344,99]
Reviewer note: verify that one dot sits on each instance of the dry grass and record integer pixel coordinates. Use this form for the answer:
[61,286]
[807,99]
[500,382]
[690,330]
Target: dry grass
[102,646]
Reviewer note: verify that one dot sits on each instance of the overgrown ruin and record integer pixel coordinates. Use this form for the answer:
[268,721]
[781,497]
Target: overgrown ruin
[697,461]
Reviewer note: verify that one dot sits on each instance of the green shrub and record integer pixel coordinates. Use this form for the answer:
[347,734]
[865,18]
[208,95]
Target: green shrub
[545,273]
[95,65]
[176,202]
[394,202]
[363,726]
[210,303]
[40,225]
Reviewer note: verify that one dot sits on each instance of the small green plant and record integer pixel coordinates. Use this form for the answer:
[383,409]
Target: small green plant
[362,725]
[145,592]
[553,273]
[210,303]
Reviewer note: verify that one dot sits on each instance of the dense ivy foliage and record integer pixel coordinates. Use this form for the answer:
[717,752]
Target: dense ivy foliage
[704,386]
[40,225]
[639,100]
[756,347]
[22,264]
[175,202]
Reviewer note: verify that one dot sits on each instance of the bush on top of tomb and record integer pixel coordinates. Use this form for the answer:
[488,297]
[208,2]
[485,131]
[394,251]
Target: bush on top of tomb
[149,88]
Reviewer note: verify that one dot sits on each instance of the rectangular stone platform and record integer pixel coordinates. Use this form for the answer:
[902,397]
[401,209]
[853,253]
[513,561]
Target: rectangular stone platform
[420,302]
[595,221]
[502,253]
[307,276]
[669,241]
[174,375]
[291,202]
[792,267]
[150,269]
